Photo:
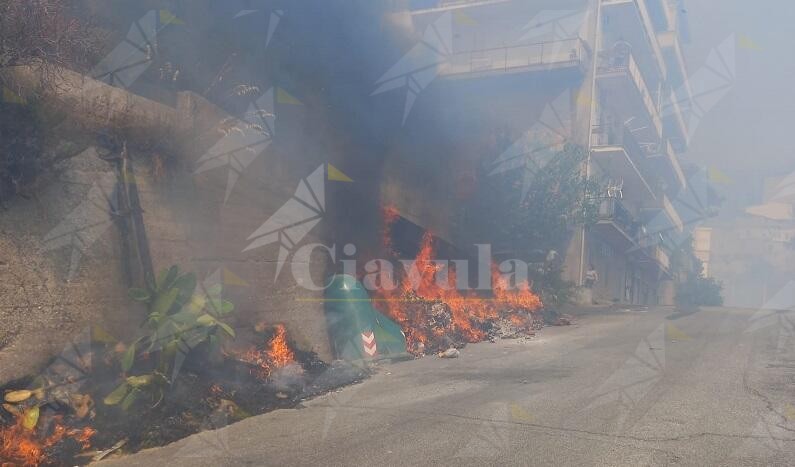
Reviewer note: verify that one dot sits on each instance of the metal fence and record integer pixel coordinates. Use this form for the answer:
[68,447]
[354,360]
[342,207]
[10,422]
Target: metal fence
[515,57]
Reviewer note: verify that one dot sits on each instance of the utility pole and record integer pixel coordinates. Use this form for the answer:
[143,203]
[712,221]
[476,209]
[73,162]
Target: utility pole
[597,46]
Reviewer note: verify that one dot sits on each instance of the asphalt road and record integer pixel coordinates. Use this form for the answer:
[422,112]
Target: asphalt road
[619,388]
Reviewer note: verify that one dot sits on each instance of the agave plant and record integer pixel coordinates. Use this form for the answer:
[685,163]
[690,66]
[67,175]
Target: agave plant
[179,319]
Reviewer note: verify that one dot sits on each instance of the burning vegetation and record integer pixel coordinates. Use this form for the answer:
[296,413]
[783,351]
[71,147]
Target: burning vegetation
[435,315]
[35,434]
[181,377]
[277,354]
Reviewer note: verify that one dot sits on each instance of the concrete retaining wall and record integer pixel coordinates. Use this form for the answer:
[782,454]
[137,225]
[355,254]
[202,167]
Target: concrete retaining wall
[47,297]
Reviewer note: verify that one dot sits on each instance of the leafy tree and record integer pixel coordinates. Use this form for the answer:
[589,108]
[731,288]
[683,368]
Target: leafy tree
[557,197]
[700,291]
[693,289]
[526,214]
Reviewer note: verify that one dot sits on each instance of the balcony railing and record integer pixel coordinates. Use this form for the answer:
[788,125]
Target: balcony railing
[612,210]
[517,57]
[612,62]
[605,135]
[674,108]
[658,254]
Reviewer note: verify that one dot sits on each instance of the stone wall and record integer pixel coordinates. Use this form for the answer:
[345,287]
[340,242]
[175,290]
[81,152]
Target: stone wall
[61,265]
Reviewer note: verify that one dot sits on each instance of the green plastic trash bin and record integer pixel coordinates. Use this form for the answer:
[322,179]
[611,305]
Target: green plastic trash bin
[357,330]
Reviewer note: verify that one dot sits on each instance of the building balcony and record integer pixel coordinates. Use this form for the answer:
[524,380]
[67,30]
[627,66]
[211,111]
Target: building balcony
[652,254]
[679,96]
[671,48]
[619,228]
[672,214]
[632,21]
[447,5]
[526,58]
[625,91]
[658,257]
[674,126]
[660,217]
[665,163]
[663,14]
[616,224]
[620,158]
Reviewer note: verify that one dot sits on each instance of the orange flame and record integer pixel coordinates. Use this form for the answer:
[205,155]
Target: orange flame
[468,312]
[521,298]
[277,355]
[82,436]
[21,446]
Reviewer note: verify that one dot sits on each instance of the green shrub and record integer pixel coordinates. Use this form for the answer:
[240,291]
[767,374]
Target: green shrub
[180,318]
[700,291]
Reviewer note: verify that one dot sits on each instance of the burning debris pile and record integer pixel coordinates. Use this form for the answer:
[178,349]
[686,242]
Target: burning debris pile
[56,422]
[27,441]
[162,387]
[436,316]
[50,421]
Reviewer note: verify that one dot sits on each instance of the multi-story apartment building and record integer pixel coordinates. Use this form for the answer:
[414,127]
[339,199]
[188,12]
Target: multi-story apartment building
[608,75]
